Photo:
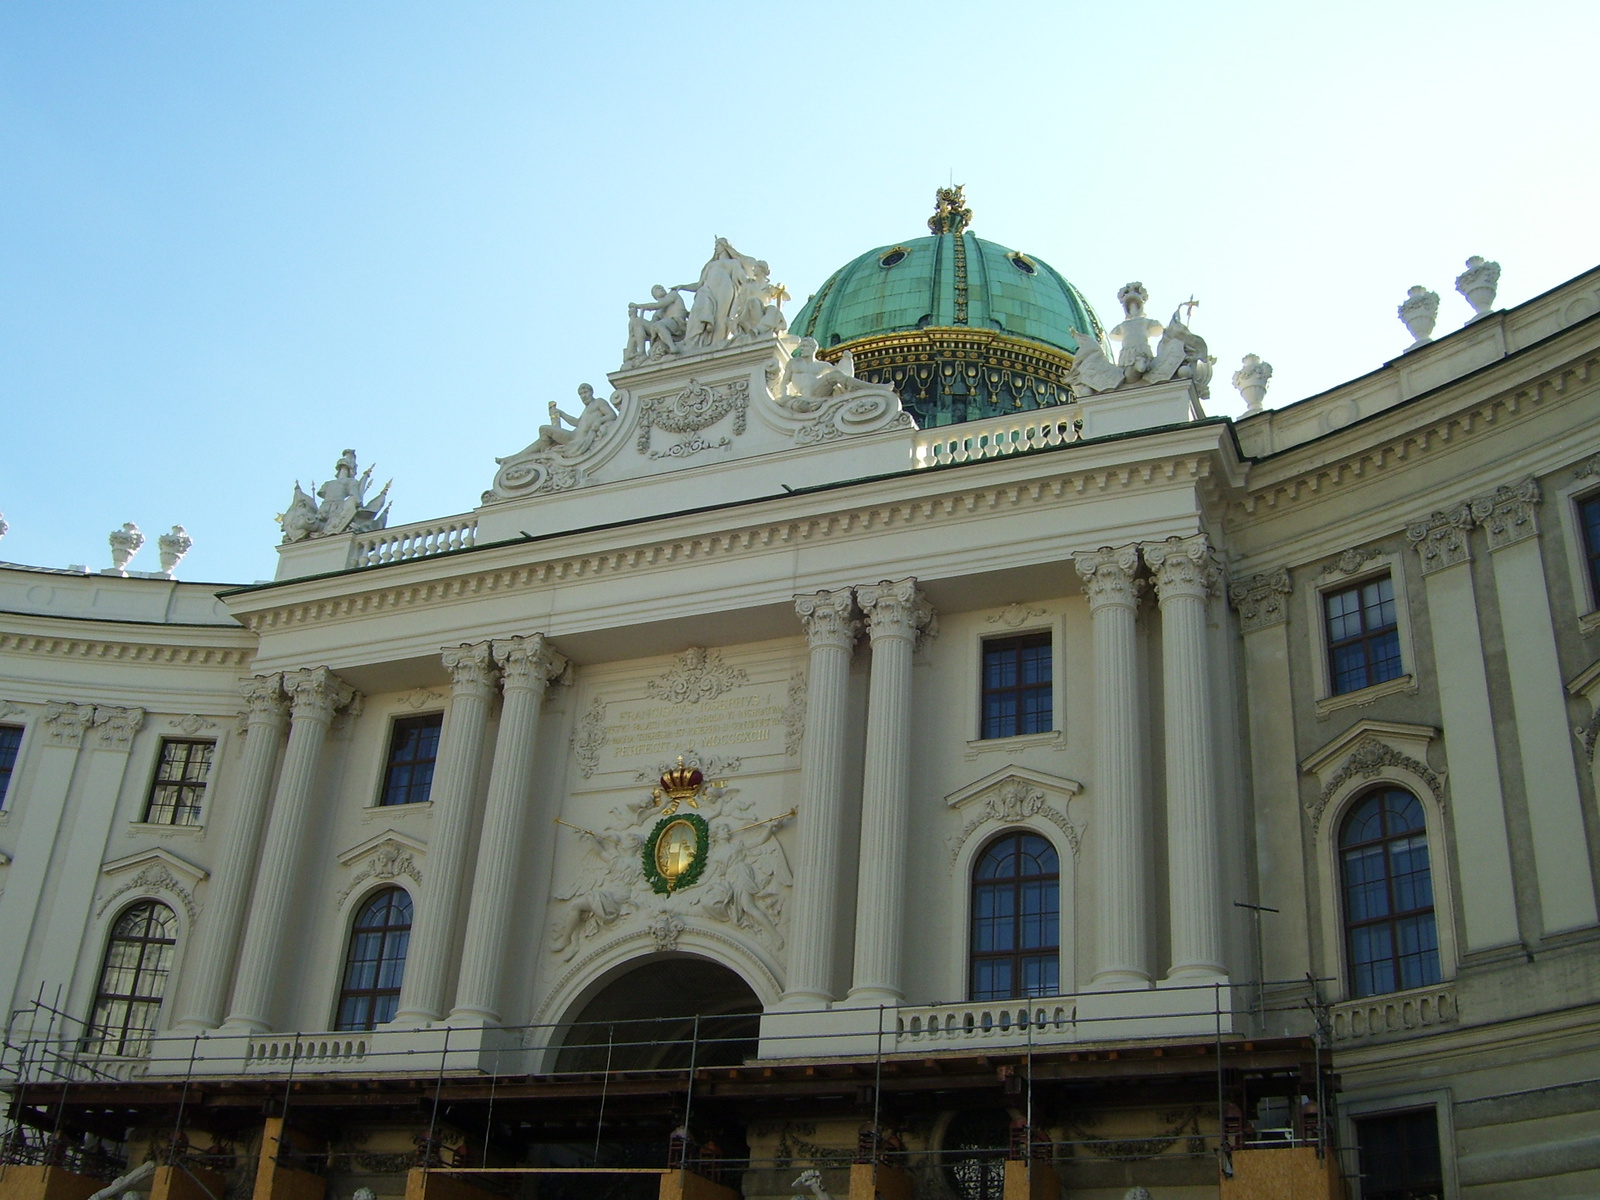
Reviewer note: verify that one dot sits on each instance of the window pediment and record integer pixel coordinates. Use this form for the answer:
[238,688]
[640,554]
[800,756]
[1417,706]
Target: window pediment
[1371,750]
[152,871]
[1013,795]
[387,856]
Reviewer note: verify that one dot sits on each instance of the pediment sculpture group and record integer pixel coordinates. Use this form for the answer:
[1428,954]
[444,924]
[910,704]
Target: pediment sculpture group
[1140,358]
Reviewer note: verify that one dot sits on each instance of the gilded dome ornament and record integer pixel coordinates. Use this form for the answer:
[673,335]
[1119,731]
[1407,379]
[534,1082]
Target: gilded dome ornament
[950,214]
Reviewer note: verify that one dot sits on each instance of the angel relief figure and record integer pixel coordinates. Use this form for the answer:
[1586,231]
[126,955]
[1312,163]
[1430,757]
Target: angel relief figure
[748,874]
[601,897]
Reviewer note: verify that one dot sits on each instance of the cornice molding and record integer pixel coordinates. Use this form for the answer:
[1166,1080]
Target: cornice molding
[1474,420]
[1190,467]
[72,647]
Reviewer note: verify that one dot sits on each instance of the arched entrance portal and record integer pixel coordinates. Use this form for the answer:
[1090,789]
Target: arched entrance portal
[645,1019]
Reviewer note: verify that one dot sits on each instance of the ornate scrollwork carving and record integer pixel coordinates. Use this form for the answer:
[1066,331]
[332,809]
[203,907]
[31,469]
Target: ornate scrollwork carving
[1370,757]
[1260,599]
[690,413]
[699,674]
[1441,541]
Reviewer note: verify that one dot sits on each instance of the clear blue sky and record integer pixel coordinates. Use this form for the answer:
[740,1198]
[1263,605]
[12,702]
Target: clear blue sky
[236,238]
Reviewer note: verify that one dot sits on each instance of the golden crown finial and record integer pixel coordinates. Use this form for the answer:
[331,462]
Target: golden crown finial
[679,785]
[950,214]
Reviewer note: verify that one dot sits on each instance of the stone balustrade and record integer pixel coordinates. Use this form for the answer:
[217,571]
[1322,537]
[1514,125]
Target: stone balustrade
[322,1052]
[1378,1017]
[422,540]
[1008,1022]
[970,441]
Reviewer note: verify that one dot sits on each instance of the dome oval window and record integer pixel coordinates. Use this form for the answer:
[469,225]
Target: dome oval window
[1023,263]
[894,257]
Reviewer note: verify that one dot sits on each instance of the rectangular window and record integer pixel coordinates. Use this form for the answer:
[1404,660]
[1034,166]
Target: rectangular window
[1400,1156]
[1589,518]
[413,746]
[180,783]
[1363,637]
[10,742]
[1016,686]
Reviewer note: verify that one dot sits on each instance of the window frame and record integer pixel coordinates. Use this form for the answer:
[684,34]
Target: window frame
[1332,580]
[989,626]
[202,789]
[1018,953]
[1439,1099]
[1585,589]
[93,1043]
[15,769]
[386,758]
[1347,927]
[1017,640]
[374,994]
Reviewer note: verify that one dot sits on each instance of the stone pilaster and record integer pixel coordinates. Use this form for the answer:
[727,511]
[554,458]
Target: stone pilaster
[1121,809]
[455,808]
[527,665]
[896,615]
[1185,575]
[832,626]
[265,716]
[314,696]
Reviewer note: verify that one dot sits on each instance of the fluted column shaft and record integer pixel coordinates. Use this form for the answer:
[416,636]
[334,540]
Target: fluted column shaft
[423,992]
[527,665]
[235,875]
[1122,876]
[831,627]
[313,697]
[1185,575]
[896,613]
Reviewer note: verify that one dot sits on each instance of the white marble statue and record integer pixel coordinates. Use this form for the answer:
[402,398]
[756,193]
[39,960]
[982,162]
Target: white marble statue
[809,382]
[342,506]
[716,294]
[1420,312]
[173,547]
[1478,283]
[600,898]
[4,528]
[364,1193]
[125,543]
[1133,335]
[1252,379]
[130,1183]
[758,310]
[586,429]
[1091,370]
[742,888]
[809,1184]
[1182,355]
[656,336]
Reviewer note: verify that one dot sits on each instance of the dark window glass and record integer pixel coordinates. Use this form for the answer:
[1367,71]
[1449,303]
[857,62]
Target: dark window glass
[10,741]
[1589,514]
[1363,639]
[1016,919]
[1388,895]
[1016,686]
[133,980]
[413,745]
[180,783]
[376,962]
[1400,1156]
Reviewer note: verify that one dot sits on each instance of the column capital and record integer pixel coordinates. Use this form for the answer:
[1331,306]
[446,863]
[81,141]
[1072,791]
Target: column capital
[1184,567]
[1509,513]
[315,693]
[64,724]
[114,727]
[265,703]
[1260,599]
[895,609]
[471,667]
[528,662]
[829,618]
[1107,575]
[1441,540]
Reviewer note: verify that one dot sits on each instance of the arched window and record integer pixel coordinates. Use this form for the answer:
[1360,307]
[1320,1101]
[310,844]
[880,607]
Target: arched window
[1016,919]
[376,962]
[1388,895]
[133,980]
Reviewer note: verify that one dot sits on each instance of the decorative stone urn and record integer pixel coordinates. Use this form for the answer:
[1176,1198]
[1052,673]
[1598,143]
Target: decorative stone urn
[125,543]
[1251,379]
[1420,312]
[1478,283]
[173,547]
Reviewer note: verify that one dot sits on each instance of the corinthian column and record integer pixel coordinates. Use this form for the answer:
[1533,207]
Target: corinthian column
[1185,575]
[455,806]
[314,695]
[1122,879]
[527,665]
[896,615]
[831,626]
[229,894]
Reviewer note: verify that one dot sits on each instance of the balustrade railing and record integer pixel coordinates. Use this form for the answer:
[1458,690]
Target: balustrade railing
[1402,1012]
[422,540]
[973,440]
[308,1053]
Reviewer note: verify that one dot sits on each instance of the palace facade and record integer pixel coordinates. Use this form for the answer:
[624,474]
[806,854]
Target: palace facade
[905,747]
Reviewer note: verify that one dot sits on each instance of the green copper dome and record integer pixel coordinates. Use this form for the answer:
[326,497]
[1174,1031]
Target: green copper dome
[963,328]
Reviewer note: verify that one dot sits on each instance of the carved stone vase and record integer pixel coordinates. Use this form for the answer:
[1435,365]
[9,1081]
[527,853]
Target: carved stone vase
[1420,312]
